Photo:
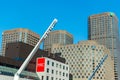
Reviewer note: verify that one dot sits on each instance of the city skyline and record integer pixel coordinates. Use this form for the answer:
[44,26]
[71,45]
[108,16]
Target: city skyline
[37,15]
[73,17]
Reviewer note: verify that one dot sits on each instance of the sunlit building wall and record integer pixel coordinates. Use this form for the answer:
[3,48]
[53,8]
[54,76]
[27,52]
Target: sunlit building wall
[57,37]
[19,35]
[83,58]
[103,28]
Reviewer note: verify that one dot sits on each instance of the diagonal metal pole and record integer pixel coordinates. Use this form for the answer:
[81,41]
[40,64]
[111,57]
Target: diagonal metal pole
[25,63]
[98,66]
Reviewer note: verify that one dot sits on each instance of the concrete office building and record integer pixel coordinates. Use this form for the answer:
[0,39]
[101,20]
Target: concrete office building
[83,58]
[57,37]
[103,28]
[19,35]
[49,69]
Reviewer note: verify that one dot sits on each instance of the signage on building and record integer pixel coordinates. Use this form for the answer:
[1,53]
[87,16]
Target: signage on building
[40,66]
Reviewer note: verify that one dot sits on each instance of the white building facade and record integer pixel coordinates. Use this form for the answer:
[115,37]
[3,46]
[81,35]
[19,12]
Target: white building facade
[49,69]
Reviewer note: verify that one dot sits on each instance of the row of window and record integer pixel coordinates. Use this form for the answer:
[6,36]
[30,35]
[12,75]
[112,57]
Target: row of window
[70,48]
[57,72]
[82,49]
[57,65]
[51,78]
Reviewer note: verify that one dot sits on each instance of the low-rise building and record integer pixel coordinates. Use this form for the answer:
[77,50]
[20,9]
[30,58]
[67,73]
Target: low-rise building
[16,53]
[84,57]
[49,69]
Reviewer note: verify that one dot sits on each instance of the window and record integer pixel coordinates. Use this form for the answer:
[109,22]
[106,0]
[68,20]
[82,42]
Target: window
[56,64]
[56,72]
[52,63]
[63,67]
[60,65]
[51,78]
[52,71]
[66,75]
[47,70]
[42,77]
[48,62]
[63,74]
[60,73]
[47,78]
[82,76]
[66,68]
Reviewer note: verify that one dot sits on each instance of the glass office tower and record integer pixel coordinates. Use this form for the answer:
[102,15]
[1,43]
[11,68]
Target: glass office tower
[103,28]
[57,37]
[19,35]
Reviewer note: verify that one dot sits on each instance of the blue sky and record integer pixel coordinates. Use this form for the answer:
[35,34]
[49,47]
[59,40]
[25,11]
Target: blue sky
[36,15]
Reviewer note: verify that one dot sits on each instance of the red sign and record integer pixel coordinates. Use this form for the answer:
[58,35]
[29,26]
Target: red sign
[40,66]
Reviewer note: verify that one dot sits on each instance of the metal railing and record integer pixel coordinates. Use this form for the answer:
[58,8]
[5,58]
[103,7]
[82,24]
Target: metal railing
[13,71]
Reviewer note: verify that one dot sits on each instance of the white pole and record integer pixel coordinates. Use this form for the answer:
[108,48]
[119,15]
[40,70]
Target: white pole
[25,63]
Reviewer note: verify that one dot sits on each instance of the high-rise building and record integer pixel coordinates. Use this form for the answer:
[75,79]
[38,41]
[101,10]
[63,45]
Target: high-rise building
[103,28]
[19,35]
[57,37]
[84,57]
